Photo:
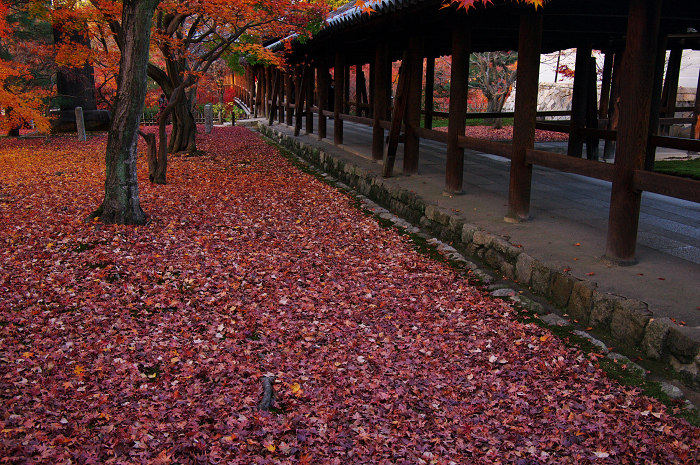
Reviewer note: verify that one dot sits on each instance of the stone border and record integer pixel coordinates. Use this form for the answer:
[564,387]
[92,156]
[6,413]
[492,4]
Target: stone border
[628,321]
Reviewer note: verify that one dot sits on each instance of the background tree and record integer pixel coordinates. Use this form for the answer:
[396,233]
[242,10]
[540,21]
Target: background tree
[26,66]
[493,73]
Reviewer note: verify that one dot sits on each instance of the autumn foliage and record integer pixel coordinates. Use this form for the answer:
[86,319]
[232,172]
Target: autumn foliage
[148,344]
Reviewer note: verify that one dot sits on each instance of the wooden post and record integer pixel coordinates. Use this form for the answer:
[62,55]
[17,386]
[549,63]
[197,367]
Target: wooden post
[289,86]
[411,146]
[273,103]
[579,100]
[363,92]
[459,95]
[695,130]
[380,98]
[592,110]
[398,114]
[268,89]
[605,86]
[529,47]
[322,92]
[280,84]
[346,87]
[429,90]
[358,91]
[339,72]
[301,93]
[655,111]
[310,84]
[259,91]
[670,92]
[609,150]
[370,99]
[633,127]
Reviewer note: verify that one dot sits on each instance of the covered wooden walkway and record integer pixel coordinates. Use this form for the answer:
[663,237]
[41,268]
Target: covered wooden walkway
[634,35]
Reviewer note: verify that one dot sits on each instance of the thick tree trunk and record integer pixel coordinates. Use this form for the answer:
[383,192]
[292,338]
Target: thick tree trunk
[121,204]
[183,135]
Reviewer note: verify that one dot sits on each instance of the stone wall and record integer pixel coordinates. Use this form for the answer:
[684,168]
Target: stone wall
[629,322]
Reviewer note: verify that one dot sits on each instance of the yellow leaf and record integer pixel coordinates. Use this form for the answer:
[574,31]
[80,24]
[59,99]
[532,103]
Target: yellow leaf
[79,370]
[271,447]
[296,388]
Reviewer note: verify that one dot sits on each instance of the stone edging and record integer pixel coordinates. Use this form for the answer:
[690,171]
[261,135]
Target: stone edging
[628,321]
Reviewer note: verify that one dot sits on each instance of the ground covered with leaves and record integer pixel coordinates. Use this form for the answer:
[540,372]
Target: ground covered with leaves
[148,344]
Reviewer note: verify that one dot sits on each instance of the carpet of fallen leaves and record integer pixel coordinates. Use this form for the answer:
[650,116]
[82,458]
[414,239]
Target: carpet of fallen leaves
[148,344]
[506,133]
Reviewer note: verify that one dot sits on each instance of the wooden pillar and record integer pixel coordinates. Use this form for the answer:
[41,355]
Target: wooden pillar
[398,114]
[289,91]
[592,110]
[670,90]
[655,111]
[339,71]
[579,99]
[280,85]
[380,97]
[259,91]
[695,129]
[309,88]
[411,145]
[370,97]
[346,84]
[605,86]
[429,90]
[529,47]
[301,97]
[459,95]
[358,92]
[274,97]
[633,127]
[613,112]
[322,84]
[362,89]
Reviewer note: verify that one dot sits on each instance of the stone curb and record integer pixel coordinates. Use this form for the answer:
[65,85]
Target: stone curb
[628,321]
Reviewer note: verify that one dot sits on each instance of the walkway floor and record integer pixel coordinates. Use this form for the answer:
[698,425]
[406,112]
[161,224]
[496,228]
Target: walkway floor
[568,220]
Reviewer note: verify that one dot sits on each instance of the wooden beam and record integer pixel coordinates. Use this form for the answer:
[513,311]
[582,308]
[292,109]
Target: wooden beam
[411,148]
[590,168]
[529,47]
[635,103]
[339,73]
[397,115]
[381,76]
[672,186]
[459,95]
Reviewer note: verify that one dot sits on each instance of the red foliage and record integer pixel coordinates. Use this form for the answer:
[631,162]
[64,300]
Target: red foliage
[147,345]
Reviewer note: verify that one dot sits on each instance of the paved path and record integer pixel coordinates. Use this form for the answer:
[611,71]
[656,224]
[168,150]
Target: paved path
[568,220]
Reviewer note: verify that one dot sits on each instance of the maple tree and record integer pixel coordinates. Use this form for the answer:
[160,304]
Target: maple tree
[494,73]
[26,67]
[151,345]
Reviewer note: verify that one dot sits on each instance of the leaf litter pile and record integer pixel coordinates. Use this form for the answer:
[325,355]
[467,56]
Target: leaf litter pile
[152,344]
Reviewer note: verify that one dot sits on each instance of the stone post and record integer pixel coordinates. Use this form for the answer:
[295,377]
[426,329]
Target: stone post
[208,117]
[80,124]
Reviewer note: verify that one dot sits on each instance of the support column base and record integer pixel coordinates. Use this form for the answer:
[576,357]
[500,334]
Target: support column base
[514,220]
[614,261]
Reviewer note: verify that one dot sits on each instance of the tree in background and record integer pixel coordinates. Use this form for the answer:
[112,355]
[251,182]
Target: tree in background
[26,66]
[493,73]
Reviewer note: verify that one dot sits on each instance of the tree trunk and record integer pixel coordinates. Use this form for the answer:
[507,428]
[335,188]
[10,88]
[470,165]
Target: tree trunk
[121,204]
[182,137]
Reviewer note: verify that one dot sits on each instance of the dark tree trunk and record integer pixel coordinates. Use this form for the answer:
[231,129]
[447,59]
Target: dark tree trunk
[121,204]
[183,135]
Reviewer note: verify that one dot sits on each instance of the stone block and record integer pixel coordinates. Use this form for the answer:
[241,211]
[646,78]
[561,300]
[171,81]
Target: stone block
[468,231]
[552,319]
[482,238]
[581,301]
[683,343]
[494,259]
[561,287]
[455,225]
[523,269]
[629,319]
[508,270]
[473,249]
[541,278]
[689,372]
[602,310]
[431,212]
[655,335]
